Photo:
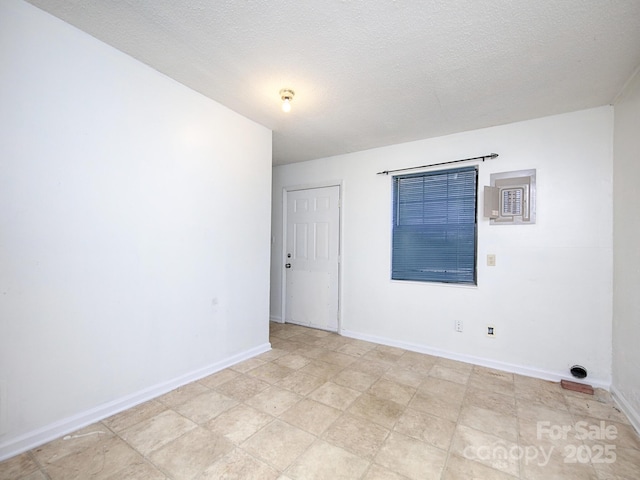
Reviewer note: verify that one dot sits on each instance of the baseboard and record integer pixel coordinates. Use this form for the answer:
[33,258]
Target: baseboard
[632,414]
[40,436]
[276,319]
[483,362]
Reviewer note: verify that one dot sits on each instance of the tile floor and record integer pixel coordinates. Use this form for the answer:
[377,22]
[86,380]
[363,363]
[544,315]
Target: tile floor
[322,406]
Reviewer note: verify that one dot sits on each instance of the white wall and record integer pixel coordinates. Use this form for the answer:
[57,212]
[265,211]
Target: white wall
[550,295]
[134,230]
[626,235]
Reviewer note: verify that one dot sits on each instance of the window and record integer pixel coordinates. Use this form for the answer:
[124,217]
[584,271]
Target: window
[435,227]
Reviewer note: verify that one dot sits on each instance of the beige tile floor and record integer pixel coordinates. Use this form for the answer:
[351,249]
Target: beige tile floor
[322,406]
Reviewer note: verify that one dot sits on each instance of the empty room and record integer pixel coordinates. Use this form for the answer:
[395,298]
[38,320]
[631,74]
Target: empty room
[288,240]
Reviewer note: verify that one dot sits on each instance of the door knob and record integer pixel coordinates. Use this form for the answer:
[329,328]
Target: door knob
[288,265]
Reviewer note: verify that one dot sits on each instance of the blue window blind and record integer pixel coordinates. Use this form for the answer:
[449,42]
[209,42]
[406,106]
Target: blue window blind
[434,226]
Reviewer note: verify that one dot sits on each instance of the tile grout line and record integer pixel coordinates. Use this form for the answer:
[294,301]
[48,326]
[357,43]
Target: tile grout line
[446,463]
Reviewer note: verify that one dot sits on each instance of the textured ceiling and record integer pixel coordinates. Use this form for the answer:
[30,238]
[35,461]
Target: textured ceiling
[374,73]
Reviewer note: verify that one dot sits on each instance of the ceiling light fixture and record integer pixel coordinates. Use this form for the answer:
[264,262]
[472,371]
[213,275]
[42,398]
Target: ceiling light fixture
[286,95]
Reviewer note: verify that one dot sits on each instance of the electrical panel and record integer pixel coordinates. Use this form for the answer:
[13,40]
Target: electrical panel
[511,198]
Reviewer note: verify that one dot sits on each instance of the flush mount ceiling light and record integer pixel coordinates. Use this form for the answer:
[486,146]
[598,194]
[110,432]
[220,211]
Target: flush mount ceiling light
[286,95]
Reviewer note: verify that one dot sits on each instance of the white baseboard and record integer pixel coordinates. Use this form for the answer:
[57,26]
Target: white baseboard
[276,319]
[632,414]
[483,362]
[40,436]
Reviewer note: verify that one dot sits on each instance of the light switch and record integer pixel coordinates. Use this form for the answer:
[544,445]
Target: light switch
[491,260]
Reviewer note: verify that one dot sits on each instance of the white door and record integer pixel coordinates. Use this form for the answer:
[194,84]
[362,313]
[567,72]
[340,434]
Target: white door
[312,256]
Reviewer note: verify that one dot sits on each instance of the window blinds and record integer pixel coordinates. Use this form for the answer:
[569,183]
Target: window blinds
[434,226]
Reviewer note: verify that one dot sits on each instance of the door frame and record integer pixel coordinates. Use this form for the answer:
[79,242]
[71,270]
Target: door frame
[283,257]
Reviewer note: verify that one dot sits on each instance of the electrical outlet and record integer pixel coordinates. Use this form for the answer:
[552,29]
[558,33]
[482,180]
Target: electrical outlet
[491,260]
[458,325]
[491,331]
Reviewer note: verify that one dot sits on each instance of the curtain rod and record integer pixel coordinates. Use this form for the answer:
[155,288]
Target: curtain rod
[483,158]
